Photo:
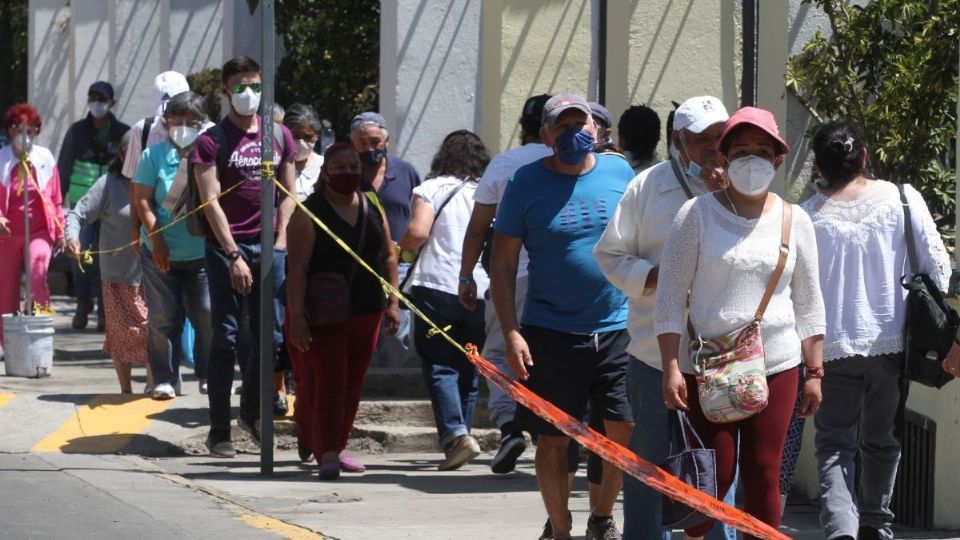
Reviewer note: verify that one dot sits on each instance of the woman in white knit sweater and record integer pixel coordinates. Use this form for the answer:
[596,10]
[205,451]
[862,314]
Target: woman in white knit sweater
[863,253]
[720,255]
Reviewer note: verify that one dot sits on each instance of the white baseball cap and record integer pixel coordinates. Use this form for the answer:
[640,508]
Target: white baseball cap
[698,113]
[167,85]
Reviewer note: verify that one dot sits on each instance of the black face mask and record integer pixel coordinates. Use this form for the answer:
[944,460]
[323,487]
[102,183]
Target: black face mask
[372,157]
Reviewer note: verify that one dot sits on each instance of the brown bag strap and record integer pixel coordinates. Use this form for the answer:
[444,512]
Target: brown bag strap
[781,262]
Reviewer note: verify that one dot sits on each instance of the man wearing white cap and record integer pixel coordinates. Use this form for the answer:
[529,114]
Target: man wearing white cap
[629,254]
[165,86]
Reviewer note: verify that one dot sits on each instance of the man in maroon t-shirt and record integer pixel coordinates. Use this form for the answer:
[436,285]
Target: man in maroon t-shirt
[233,243]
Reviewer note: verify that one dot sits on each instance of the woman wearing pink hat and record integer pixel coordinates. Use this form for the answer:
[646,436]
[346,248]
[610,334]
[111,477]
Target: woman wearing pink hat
[746,261]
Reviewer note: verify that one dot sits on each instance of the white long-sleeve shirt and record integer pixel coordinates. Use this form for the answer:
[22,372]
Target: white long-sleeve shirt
[725,262]
[863,254]
[631,246]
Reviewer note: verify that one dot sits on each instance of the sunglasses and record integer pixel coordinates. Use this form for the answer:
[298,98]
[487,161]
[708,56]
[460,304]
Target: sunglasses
[239,88]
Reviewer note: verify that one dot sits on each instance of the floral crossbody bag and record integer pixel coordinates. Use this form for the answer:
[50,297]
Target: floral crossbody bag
[731,369]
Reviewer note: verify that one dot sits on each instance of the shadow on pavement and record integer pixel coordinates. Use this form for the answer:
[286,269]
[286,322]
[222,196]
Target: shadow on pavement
[131,444]
[76,399]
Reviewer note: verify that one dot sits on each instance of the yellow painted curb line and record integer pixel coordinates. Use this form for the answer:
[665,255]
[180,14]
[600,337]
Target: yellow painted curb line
[105,425]
[282,528]
[5,398]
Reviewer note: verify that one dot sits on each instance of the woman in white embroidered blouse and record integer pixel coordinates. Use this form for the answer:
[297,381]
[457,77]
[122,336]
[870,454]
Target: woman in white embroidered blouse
[721,254]
[863,253]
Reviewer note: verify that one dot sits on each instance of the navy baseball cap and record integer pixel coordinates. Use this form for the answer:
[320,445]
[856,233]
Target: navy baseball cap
[601,114]
[101,87]
[368,118]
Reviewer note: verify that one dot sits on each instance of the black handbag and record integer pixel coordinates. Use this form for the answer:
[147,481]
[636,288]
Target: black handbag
[931,325]
[328,293]
[696,467]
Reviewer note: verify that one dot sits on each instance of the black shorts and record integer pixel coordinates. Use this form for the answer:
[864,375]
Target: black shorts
[570,370]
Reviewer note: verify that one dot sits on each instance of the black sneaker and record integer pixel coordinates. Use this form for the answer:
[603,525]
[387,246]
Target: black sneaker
[80,317]
[869,533]
[251,428]
[547,533]
[602,528]
[220,447]
[280,406]
[511,448]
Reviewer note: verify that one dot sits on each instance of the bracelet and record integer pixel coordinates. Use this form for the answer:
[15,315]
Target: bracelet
[467,280]
[812,372]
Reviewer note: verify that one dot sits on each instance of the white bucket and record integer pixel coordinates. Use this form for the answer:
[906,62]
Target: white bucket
[28,346]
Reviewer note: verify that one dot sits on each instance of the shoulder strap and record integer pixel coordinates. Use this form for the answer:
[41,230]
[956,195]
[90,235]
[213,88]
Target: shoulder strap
[364,217]
[436,216]
[680,178]
[453,193]
[145,134]
[278,138]
[908,230]
[781,262]
[375,201]
[220,139]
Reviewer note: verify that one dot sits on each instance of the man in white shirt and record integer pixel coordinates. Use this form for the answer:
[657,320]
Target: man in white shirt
[165,86]
[629,255]
[487,197]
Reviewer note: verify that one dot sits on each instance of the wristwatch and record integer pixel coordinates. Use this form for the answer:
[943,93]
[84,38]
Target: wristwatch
[233,255]
[466,280]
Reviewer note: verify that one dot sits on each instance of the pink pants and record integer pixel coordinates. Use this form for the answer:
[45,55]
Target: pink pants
[11,268]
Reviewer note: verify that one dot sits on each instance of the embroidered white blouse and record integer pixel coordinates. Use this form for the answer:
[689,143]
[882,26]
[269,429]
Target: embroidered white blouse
[725,262]
[863,255]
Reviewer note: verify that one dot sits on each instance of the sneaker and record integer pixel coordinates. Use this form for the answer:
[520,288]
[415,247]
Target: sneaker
[280,406]
[203,387]
[869,533]
[330,470]
[163,391]
[466,449]
[80,318]
[547,533]
[304,453]
[602,528]
[238,389]
[510,449]
[251,427]
[220,447]
[349,463]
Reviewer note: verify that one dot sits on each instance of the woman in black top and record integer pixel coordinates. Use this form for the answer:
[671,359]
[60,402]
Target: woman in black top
[330,362]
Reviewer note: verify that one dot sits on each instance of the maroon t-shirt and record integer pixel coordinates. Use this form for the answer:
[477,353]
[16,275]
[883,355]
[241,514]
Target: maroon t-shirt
[242,206]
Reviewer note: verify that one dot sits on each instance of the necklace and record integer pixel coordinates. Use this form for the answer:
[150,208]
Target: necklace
[730,201]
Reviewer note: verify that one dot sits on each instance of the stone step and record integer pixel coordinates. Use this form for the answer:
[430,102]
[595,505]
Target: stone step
[411,413]
[400,383]
[391,439]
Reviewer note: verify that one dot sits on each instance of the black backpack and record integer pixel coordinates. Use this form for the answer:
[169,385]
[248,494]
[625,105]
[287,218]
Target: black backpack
[931,325]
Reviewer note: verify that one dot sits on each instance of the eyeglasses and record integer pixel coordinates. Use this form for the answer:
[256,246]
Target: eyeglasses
[176,122]
[240,87]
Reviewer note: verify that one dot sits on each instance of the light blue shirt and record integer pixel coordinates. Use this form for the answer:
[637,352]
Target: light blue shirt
[157,169]
[560,218]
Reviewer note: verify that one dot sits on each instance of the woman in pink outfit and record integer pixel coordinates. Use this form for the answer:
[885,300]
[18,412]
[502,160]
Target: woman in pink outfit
[27,166]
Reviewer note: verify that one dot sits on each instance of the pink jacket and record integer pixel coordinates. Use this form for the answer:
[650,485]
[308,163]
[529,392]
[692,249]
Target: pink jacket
[44,169]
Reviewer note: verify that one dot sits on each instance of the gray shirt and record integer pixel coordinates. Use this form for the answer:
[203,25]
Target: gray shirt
[109,201]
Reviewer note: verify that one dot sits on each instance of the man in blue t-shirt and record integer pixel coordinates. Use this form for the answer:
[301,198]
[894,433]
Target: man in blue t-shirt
[569,346]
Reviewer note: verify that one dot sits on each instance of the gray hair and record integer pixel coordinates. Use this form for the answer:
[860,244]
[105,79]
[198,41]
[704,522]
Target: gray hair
[186,104]
[299,114]
[278,113]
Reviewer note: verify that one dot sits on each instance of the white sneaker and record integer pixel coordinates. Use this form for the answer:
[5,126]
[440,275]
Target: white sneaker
[203,387]
[163,392]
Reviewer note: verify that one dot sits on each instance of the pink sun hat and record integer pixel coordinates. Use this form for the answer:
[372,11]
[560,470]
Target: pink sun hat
[759,118]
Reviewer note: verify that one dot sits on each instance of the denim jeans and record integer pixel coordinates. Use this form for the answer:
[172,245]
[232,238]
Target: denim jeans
[226,312]
[392,350]
[452,381]
[86,283]
[171,297]
[642,505]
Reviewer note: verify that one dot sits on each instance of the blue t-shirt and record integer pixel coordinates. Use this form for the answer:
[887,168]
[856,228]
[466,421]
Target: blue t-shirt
[157,169]
[560,218]
[396,193]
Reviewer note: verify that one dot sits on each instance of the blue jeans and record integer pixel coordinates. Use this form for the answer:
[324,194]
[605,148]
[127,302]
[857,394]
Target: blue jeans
[227,307]
[86,284]
[452,381]
[392,350]
[642,505]
[171,297]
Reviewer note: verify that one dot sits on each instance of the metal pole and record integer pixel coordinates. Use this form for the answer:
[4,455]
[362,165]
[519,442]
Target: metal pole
[602,53]
[267,201]
[748,83]
[25,182]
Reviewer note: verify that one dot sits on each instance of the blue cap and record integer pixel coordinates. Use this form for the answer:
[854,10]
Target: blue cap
[601,114]
[368,118]
[101,87]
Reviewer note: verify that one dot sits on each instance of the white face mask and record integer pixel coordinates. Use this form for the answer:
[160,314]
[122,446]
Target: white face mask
[751,175]
[98,109]
[246,103]
[303,149]
[22,143]
[183,136]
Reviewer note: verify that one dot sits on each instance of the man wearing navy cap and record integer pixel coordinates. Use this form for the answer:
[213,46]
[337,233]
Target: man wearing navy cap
[88,148]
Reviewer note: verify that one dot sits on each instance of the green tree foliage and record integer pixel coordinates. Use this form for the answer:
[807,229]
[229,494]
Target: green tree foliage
[889,68]
[207,84]
[13,51]
[332,57]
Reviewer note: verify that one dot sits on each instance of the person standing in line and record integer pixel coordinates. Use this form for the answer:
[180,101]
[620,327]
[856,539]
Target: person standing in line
[441,210]
[629,254]
[392,180]
[89,147]
[861,232]
[639,133]
[488,194]
[571,346]
[108,201]
[228,155]
[175,281]
[721,255]
[330,362]
[306,127]
[40,186]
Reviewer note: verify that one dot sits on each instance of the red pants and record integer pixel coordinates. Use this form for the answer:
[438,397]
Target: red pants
[761,446]
[11,268]
[329,380]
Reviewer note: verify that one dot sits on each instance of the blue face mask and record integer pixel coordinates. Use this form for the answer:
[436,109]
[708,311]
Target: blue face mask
[574,145]
[372,157]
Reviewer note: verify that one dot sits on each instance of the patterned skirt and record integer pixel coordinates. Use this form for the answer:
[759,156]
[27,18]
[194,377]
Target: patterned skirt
[126,316]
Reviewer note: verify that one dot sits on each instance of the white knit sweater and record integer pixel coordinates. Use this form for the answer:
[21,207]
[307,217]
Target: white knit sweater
[863,254]
[725,262]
